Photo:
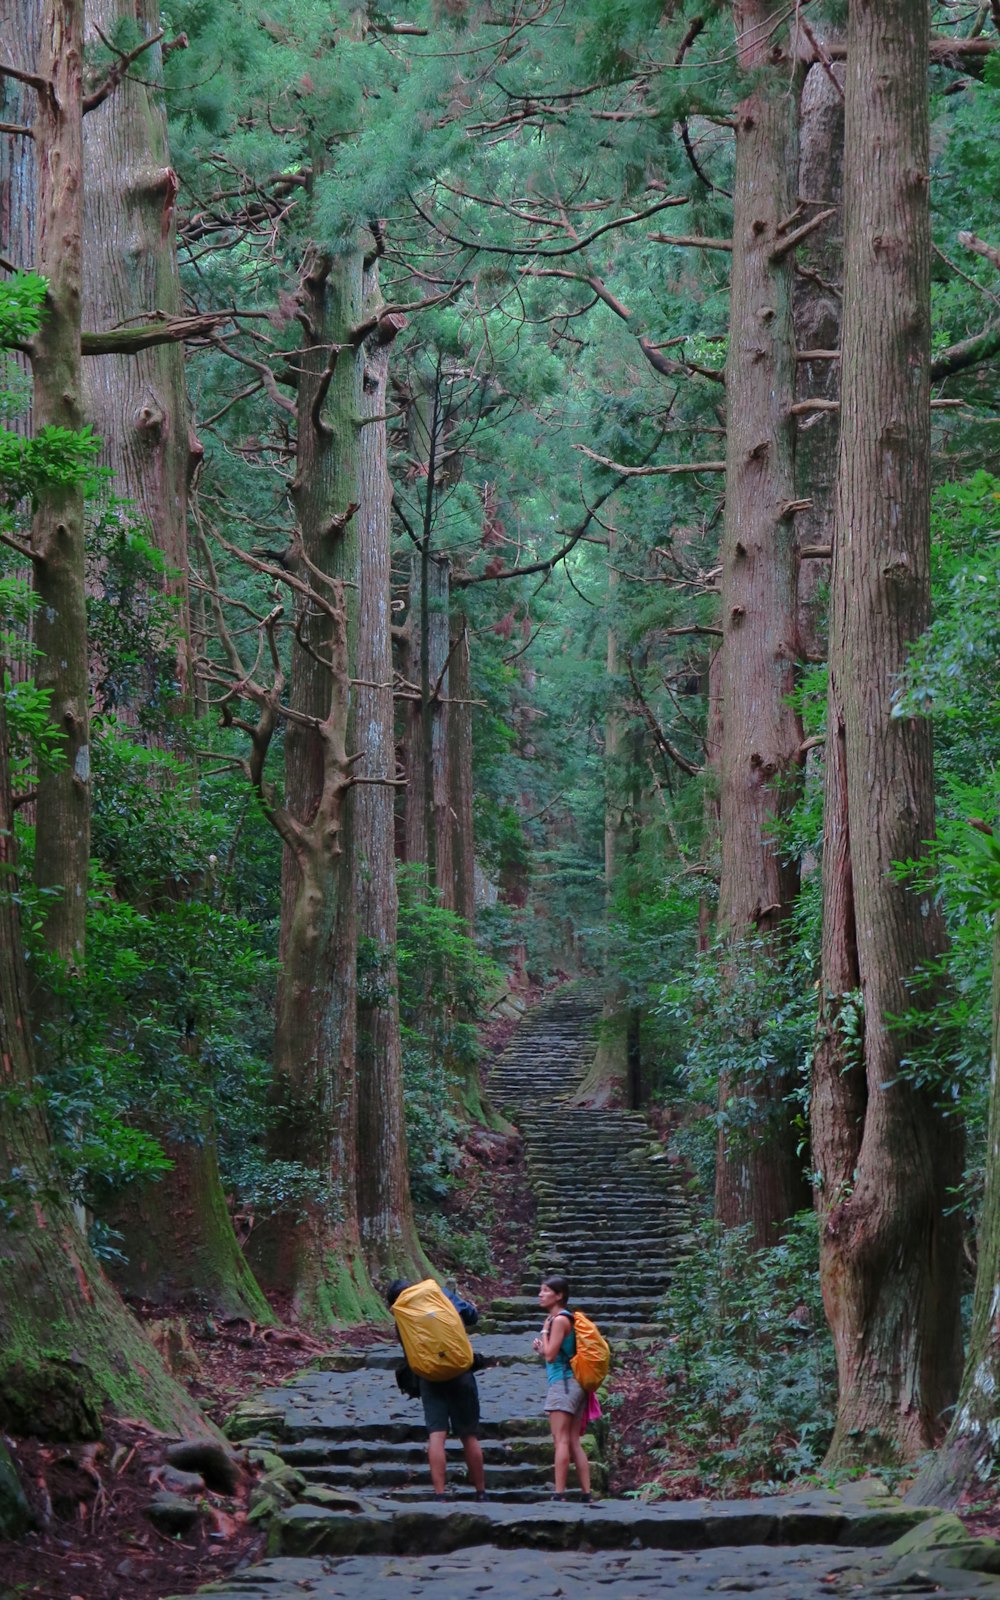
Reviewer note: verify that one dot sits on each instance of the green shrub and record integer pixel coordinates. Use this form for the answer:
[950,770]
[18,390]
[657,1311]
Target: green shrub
[759,1387]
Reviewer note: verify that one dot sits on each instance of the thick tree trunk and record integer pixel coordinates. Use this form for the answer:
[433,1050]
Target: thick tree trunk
[817,328]
[313,1252]
[62,806]
[970,1452]
[759,1174]
[178,1238]
[137,403]
[890,1249]
[388,1231]
[68,1347]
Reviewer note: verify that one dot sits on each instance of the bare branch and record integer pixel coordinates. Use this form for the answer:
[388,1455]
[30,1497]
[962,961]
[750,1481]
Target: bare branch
[674,469]
[694,241]
[782,248]
[32,79]
[971,241]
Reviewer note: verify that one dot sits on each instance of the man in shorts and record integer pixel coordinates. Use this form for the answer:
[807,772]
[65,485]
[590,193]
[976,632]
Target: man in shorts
[451,1407]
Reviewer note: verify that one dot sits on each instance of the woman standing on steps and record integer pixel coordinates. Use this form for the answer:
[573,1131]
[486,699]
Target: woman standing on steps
[565,1401]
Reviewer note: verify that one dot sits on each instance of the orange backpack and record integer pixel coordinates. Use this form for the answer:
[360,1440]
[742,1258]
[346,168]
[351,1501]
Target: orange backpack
[592,1360]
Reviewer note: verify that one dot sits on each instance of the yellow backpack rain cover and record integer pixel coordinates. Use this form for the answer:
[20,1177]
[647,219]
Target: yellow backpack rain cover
[433,1334]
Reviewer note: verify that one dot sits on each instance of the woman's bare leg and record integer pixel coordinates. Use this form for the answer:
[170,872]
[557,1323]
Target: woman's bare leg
[561,1423]
[580,1459]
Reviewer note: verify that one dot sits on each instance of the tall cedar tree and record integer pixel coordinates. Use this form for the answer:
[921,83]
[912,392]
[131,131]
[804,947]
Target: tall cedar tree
[888,1158]
[759,1176]
[177,1232]
[315,1257]
[388,1232]
[62,800]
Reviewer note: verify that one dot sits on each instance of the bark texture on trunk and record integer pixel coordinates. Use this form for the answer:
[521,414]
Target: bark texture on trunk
[890,1254]
[312,1251]
[388,1231]
[178,1238]
[758,1171]
[817,328]
[971,1450]
[62,805]
[606,1081]
[428,813]
[137,403]
[461,782]
[68,1346]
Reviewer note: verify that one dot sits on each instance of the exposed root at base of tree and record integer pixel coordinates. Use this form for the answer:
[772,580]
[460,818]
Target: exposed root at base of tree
[94,1539]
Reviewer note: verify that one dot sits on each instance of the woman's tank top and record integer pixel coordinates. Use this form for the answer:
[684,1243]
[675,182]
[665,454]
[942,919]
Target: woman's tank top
[560,1367]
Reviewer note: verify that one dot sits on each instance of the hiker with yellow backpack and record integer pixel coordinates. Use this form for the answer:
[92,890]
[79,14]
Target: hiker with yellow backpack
[576,1363]
[432,1324]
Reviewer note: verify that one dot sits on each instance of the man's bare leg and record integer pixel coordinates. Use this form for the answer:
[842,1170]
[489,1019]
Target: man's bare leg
[437,1461]
[474,1462]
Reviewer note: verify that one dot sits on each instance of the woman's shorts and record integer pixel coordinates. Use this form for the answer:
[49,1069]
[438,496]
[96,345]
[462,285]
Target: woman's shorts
[565,1394]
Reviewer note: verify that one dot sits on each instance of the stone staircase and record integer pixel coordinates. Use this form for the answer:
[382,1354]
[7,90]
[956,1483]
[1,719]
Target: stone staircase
[600,1182]
[347,1494]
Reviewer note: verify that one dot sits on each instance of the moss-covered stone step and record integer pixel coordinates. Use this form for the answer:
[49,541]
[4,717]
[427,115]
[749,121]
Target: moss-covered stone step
[797,1573]
[388,1528]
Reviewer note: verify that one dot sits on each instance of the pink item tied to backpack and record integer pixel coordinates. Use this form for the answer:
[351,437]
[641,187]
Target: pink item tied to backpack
[593,1407]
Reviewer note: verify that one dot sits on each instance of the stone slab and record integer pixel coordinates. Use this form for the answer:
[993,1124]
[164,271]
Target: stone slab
[340,1404]
[429,1527]
[805,1573]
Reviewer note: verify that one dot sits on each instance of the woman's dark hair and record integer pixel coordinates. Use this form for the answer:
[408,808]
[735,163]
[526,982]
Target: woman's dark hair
[395,1289]
[558,1285]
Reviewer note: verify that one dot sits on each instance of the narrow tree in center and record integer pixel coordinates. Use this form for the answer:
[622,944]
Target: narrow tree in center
[759,1173]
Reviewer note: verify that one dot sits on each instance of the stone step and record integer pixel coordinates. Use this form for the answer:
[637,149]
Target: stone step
[819,1518]
[357,1452]
[595,1286]
[378,1476]
[615,1332]
[312,1450]
[611,1310]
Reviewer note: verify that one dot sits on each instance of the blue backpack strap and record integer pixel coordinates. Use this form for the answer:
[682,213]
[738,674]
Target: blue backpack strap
[466,1310]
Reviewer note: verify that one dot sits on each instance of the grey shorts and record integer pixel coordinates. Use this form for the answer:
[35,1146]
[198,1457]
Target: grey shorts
[565,1394]
[452,1407]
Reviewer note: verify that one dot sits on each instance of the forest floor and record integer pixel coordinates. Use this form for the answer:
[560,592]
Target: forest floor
[94,1539]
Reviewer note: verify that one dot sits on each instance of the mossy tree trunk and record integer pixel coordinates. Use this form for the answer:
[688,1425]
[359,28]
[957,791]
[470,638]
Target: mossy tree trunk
[63,792]
[888,1158]
[68,1346]
[759,1172]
